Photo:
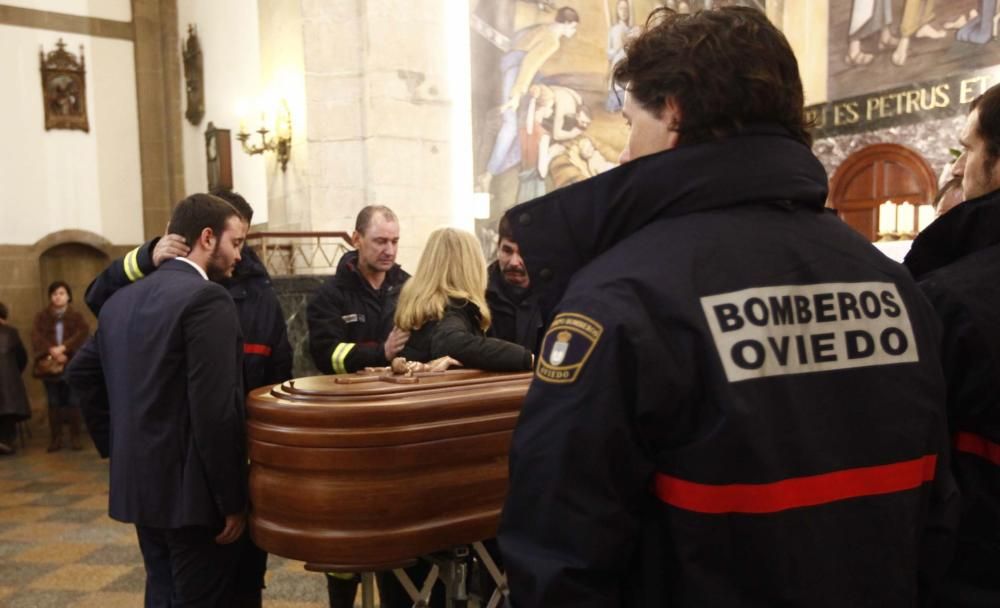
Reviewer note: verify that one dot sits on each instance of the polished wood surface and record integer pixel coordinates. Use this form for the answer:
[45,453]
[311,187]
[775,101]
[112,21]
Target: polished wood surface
[363,475]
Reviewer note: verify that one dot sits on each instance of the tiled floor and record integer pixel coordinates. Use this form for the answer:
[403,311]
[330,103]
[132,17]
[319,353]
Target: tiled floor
[58,547]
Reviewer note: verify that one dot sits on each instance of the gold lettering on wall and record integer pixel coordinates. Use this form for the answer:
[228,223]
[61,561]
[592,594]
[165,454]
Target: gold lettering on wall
[971,88]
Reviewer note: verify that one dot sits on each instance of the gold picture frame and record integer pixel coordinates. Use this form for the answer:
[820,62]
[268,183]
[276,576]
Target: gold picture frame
[64,89]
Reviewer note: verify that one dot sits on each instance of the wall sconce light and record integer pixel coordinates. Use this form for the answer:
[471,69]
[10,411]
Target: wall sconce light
[280,143]
[902,220]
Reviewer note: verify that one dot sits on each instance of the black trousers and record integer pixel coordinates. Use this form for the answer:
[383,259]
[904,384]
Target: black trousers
[186,568]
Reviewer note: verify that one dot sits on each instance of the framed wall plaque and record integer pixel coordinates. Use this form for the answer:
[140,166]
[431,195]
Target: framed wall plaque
[194,77]
[218,156]
[64,89]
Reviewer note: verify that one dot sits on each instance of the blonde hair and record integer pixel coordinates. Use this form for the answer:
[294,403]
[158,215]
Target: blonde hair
[451,266]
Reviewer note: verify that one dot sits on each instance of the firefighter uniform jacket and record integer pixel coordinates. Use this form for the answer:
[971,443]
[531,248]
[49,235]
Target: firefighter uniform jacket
[957,259]
[738,400]
[516,317]
[349,320]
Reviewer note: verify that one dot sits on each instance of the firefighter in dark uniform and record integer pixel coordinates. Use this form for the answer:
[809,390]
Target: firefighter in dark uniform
[267,354]
[350,328]
[516,316]
[957,260]
[350,317]
[739,401]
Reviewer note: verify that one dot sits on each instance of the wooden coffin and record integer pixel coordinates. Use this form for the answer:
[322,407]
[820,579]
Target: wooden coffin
[355,472]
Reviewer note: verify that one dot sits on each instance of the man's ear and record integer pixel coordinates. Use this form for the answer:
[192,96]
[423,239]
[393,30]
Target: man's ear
[207,238]
[355,238]
[671,117]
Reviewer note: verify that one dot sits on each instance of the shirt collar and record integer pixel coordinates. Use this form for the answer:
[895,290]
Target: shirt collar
[200,270]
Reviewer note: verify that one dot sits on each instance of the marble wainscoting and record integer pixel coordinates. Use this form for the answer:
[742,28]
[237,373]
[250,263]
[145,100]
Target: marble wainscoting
[931,139]
[294,293]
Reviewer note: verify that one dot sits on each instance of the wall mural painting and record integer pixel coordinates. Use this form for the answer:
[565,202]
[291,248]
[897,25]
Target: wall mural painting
[880,44]
[545,111]
[64,89]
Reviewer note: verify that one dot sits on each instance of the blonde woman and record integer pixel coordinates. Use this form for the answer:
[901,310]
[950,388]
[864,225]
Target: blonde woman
[443,306]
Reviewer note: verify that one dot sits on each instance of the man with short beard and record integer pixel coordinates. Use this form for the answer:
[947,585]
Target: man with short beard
[516,317]
[168,353]
[957,260]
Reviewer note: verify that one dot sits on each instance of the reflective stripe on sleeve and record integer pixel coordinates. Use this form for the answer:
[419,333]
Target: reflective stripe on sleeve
[796,492]
[131,263]
[339,356]
[970,443]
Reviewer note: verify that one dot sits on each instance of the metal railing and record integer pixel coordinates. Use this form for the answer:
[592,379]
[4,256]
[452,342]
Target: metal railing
[298,253]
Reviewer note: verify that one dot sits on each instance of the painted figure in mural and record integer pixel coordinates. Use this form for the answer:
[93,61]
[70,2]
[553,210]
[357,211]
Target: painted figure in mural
[618,34]
[570,116]
[867,18]
[535,138]
[917,17]
[981,25]
[530,49]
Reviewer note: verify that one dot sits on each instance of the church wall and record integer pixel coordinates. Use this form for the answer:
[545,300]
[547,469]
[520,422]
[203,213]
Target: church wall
[229,37]
[118,10]
[59,179]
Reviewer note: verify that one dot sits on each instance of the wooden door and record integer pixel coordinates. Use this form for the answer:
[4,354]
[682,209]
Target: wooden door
[874,175]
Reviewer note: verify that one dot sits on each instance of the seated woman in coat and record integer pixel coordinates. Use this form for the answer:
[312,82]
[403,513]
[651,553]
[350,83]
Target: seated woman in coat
[443,306]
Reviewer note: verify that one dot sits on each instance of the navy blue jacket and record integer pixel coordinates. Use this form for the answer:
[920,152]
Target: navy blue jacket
[957,259]
[349,320]
[267,352]
[168,350]
[738,401]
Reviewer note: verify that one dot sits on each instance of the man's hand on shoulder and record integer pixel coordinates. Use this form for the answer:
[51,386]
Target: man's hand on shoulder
[233,529]
[169,246]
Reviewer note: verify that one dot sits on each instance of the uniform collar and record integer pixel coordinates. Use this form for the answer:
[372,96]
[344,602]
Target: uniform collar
[966,228]
[565,230]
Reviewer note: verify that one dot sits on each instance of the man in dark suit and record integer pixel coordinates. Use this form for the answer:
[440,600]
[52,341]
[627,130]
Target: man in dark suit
[168,354]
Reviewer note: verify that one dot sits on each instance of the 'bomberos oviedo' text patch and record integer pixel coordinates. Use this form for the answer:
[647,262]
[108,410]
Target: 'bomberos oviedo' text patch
[797,329]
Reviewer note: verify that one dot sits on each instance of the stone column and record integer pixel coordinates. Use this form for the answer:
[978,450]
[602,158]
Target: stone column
[376,114]
[157,71]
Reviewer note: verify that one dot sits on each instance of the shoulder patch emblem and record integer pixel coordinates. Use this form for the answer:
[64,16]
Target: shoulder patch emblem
[566,347]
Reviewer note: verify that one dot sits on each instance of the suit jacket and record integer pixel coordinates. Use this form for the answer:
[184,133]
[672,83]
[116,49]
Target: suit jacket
[168,352]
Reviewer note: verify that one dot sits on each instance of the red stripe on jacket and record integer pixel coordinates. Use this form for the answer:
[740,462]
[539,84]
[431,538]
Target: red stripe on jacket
[796,492]
[980,446]
[257,349]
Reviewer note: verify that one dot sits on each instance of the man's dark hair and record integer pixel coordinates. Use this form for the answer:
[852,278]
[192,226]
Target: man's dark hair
[200,211]
[725,69]
[504,231]
[54,285]
[365,216]
[237,201]
[567,15]
[988,128]
[3,311]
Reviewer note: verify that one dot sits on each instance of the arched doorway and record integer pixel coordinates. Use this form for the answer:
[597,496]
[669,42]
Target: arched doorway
[75,263]
[874,175]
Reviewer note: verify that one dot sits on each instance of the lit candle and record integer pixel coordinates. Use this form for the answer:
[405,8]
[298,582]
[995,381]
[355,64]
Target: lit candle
[887,218]
[905,218]
[925,215]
